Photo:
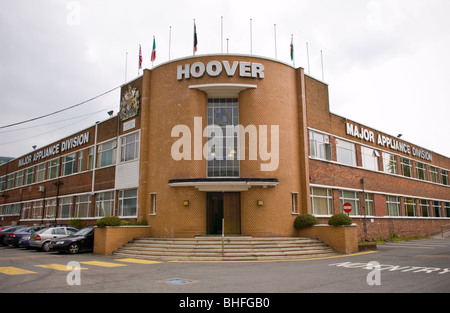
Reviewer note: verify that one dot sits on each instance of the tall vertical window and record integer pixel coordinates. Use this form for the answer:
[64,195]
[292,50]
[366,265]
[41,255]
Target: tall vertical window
[53,169]
[129,147]
[389,163]
[421,171]
[294,196]
[434,174]
[319,146]
[26,210]
[321,201]
[351,197]
[447,209]
[68,164]
[65,207]
[82,206]
[222,146]
[19,179]
[437,208]
[40,172]
[30,176]
[406,165]
[3,183]
[80,161]
[393,205]
[369,205]
[153,203]
[345,152]
[90,164]
[128,202]
[10,181]
[369,158]
[410,207]
[424,207]
[37,209]
[50,208]
[107,153]
[104,204]
[444,177]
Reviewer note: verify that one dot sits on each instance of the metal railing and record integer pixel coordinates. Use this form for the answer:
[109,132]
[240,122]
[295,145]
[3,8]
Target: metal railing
[443,227]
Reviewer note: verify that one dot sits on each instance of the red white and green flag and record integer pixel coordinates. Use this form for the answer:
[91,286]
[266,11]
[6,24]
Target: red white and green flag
[292,48]
[154,50]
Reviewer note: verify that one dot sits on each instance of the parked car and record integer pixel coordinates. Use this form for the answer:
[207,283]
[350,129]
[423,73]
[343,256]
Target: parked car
[41,239]
[80,241]
[5,232]
[13,239]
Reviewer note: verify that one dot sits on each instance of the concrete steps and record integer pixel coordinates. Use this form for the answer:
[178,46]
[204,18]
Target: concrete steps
[232,248]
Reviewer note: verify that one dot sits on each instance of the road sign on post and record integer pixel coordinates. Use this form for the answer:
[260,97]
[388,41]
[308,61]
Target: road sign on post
[347,208]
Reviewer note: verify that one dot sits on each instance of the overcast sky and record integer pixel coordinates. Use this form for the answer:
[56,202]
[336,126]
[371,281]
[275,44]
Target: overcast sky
[386,61]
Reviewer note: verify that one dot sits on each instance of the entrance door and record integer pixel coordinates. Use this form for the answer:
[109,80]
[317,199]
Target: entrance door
[227,206]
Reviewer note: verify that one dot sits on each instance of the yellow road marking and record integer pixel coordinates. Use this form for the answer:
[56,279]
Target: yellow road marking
[59,267]
[105,264]
[139,261]
[10,270]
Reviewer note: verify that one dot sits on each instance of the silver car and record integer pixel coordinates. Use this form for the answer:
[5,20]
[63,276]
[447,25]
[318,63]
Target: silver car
[41,239]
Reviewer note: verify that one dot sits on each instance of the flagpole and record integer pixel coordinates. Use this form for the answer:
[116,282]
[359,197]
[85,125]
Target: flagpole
[275,35]
[251,37]
[195,30]
[307,56]
[170,39]
[292,50]
[126,63]
[221,34]
[321,58]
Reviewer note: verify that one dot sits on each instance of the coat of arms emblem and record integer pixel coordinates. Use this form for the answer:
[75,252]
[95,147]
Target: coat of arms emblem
[129,105]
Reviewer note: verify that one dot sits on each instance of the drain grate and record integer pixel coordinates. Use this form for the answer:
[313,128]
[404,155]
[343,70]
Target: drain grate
[178,281]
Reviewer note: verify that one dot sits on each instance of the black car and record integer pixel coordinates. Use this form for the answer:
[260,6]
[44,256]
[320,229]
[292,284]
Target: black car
[80,241]
[13,238]
[6,231]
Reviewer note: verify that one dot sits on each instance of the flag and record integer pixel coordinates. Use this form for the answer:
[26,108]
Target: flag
[195,38]
[292,48]
[140,57]
[154,50]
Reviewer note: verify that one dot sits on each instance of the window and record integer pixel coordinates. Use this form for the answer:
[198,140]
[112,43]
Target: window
[434,174]
[30,175]
[65,207]
[37,209]
[321,201]
[3,183]
[15,210]
[50,208]
[80,161]
[406,167]
[68,164]
[424,208]
[444,177]
[129,147]
[389,163]
[345,152]
[369,206]
[90,164]
[104,204]
[40,172]
[153,203]
[82,206]
[437,208]
[421,171]
[320,146]
[107,153]
[26,210]
[294,196]
[128,202]
[10,181]
[393,205]
[410,207]
[351,197]
[447,209]
[222,147]
[369,158]
[53,169]
[19,178]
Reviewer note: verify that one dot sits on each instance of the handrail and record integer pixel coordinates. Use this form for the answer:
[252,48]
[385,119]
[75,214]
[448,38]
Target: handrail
[442,229]
[223,235]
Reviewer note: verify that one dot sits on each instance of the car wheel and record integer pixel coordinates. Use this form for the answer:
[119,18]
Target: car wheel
[46,246]
[74,248]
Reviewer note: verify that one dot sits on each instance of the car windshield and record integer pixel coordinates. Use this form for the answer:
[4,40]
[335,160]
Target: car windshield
[83,232]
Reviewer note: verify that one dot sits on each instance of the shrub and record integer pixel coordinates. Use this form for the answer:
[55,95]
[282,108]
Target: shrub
[305,221]
[109,221]
[339,220]
[76,222]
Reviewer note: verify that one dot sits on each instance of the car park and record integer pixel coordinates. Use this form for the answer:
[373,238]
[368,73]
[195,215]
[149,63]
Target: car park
[42,238]
[80,241]
[13,239]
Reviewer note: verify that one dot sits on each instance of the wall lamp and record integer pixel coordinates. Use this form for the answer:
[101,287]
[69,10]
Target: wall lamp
[260,202]
[186,202]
